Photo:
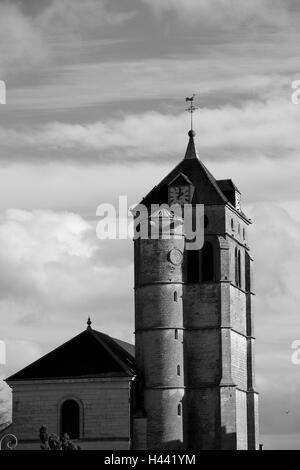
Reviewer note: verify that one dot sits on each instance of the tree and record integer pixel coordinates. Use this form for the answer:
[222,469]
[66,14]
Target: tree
[4,407]
[52,441]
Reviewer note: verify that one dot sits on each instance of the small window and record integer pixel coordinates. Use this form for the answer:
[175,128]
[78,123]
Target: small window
[175,296]
[239,269]
[176,334]
[179,409]
[178,370]
[232,224]
[244,234]
[236,265]
[237,256]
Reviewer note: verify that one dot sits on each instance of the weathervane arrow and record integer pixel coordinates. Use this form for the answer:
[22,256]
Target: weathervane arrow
[191,108]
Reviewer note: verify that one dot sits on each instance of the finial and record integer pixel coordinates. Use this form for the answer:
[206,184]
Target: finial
[191,110]
[89,322]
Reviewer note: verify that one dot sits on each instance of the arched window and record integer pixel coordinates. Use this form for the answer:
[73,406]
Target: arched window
[176,334]
[178,370]
[232,224]
[207,262]
[179,411]
[192,268]
[175,296]
[70,419]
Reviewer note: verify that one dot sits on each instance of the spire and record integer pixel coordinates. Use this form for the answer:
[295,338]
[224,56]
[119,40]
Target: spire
[191,151]
[89,322]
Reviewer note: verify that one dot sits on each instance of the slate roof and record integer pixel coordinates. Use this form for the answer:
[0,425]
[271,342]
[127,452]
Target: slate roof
[227,185]
[208,190]
[90,354]
[192,167]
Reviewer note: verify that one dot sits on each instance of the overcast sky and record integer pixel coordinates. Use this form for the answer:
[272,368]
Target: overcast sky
[95,109]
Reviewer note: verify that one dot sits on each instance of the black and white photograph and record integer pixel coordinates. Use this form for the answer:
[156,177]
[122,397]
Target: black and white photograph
[149,227]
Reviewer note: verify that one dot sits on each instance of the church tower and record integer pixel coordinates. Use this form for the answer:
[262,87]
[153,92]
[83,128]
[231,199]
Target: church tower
[193,320]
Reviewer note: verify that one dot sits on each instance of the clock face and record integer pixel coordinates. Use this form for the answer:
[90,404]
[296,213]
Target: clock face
[179,195]
[175,256]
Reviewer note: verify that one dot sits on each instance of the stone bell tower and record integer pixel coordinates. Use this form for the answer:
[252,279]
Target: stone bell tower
[193,320]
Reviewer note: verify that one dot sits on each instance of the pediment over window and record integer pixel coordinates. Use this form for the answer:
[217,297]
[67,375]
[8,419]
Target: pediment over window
[180,180]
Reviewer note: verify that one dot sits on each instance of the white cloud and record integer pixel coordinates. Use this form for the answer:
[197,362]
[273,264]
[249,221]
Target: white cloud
[226,13]
[57,273]
[21,43]
[118,83]
[275,244]
[20,353]
[43,236]
[67,19]
[254,129]
[39,252]
[281,441]
[28,41]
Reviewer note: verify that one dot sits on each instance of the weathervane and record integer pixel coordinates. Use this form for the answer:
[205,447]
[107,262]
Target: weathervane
[192,108]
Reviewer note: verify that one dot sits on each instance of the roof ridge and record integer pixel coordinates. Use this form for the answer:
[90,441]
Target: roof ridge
[195,158]
[65,361]
[192,154]
[212,180]
[109,349]
[44,356]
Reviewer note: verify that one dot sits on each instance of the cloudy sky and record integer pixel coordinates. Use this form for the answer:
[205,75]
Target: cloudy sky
[95,109]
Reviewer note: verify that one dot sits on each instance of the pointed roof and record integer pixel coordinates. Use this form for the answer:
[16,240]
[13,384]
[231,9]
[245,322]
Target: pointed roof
[191,151]
[90,354]
[207,191]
